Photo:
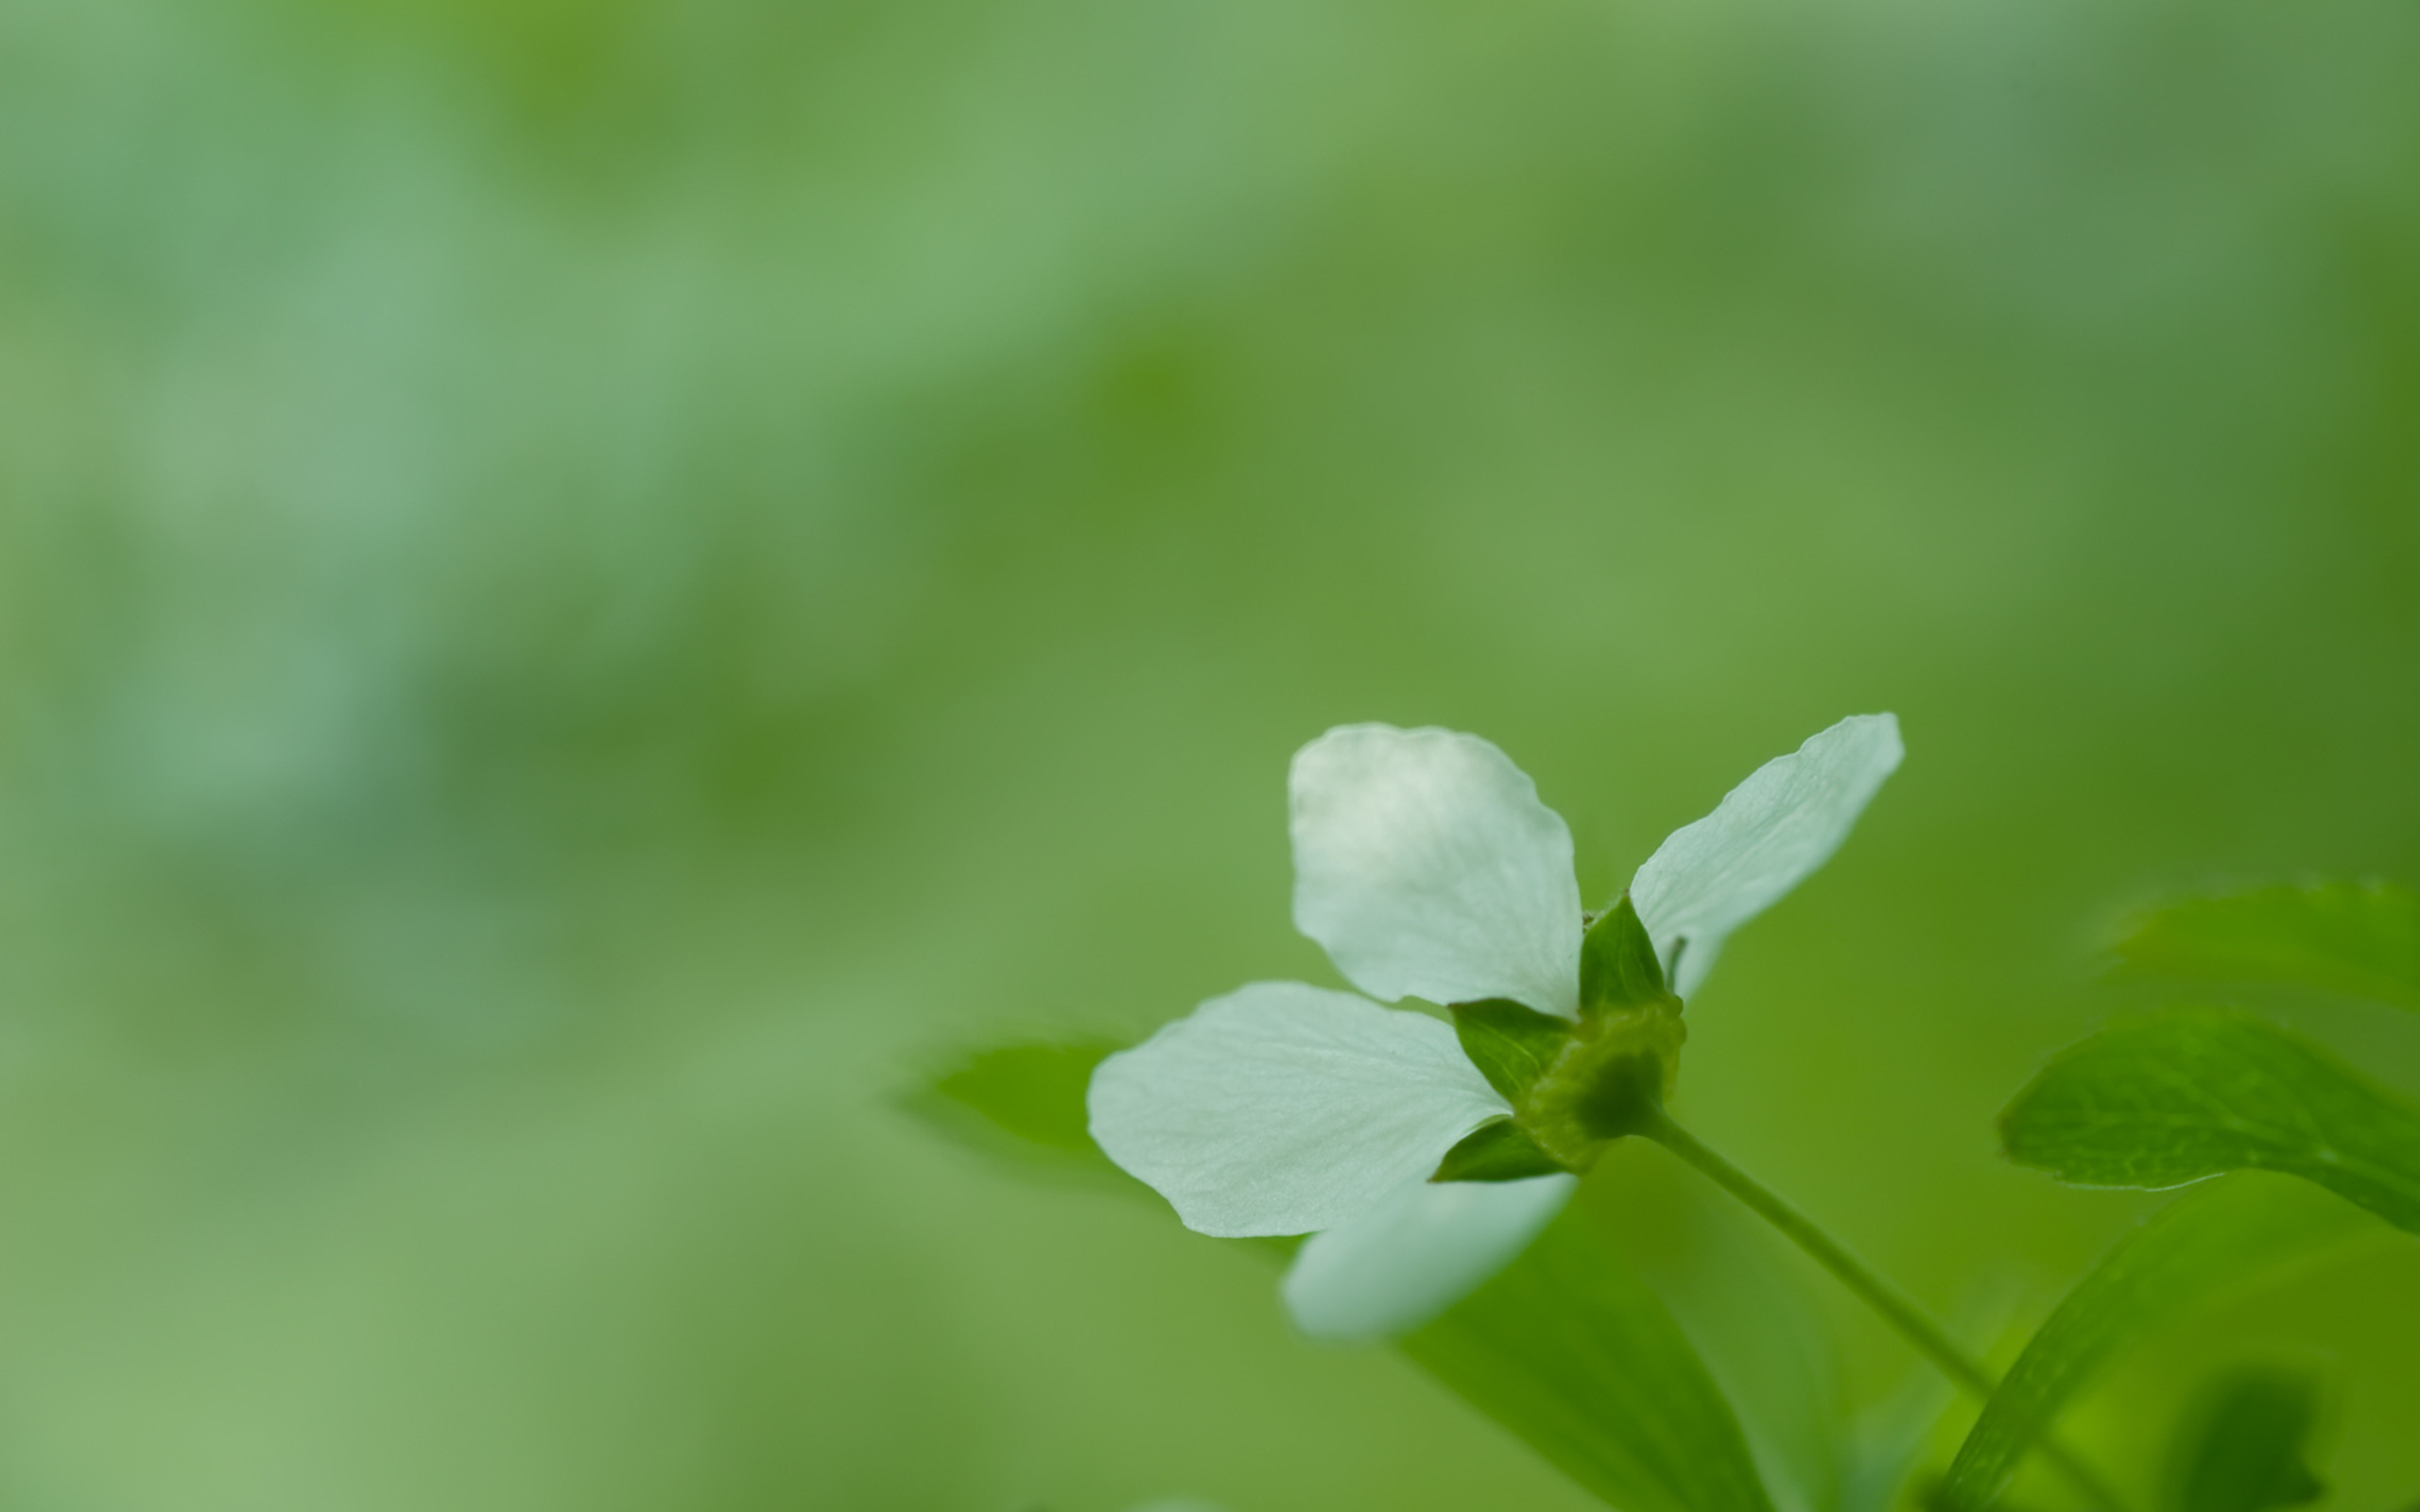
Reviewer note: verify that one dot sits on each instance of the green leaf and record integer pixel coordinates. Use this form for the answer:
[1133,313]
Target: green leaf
[1742,1296]
[1570,1351]
[1021,1103]
[1510,1043]
[2241,1448]
[1498,1150]
[2193,1092]
[2226,1237]
[1618,965]
[2360,941]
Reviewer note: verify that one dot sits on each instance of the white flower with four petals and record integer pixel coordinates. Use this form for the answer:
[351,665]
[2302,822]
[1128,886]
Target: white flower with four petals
[1426,868]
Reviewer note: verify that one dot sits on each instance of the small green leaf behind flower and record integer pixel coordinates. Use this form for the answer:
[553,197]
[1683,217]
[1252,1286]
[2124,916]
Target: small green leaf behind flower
[1021,1104]
[2192,1094]
[2243,1445]
[2357,940]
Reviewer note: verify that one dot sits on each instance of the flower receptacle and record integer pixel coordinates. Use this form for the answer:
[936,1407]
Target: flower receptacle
[1575,1087]
[1610,1082]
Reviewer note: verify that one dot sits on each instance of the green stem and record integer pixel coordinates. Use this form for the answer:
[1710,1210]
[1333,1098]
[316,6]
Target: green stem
[1887,1300]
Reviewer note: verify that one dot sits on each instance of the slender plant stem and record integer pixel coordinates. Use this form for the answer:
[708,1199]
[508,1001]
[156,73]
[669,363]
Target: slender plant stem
[1893,1305]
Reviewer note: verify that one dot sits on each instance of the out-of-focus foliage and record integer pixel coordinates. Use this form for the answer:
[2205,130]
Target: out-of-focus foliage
[2361,941]
[1024,1102]
[2228,1237]
[580,585]
[2241,1447]
[2193,1094]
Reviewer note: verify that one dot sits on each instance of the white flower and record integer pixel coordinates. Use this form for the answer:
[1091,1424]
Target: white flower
[1426,868]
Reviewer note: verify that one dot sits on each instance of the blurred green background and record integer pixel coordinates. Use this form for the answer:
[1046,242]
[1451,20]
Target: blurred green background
[584,587]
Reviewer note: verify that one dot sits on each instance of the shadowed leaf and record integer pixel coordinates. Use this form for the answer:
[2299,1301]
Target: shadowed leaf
[2241,1448]
[2191,1252]
[1570,1351]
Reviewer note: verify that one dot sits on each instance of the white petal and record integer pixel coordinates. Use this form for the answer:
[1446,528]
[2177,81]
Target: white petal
[1282,1108]
[1416,1254]
[1788,817]
[1425,865]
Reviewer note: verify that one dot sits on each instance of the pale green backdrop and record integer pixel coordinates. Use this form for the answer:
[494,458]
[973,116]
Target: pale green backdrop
[586,587]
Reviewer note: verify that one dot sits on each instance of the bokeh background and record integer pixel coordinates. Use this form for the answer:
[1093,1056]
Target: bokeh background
[585,588]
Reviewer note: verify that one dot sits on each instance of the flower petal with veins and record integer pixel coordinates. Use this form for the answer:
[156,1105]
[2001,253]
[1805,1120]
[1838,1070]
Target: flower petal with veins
[1283,1108]
[1766,835]
[1427,866]
[1416,1253]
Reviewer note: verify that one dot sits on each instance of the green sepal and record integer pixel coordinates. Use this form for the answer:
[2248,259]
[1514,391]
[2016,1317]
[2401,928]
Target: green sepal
[1617,966]
[2241,1446]
[1510,1043]
[1498,1150]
